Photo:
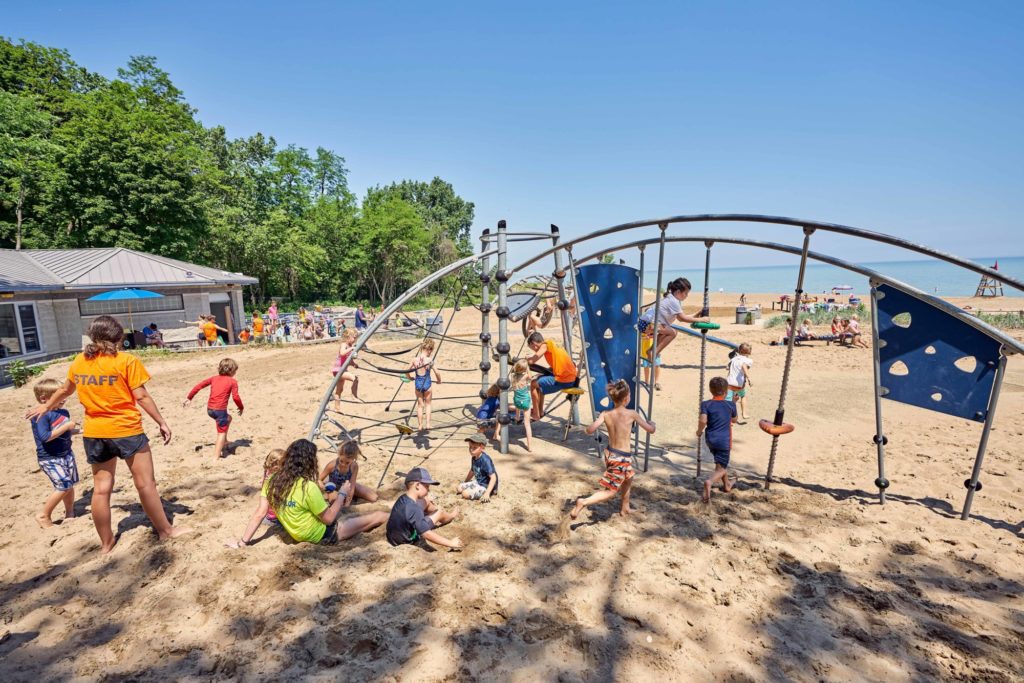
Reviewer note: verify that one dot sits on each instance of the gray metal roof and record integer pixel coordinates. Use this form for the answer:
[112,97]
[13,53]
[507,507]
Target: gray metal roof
[63,269]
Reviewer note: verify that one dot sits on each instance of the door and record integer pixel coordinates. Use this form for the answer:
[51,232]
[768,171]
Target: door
[220,312]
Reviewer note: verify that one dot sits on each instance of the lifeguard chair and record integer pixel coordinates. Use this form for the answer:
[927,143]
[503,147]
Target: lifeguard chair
[990,286]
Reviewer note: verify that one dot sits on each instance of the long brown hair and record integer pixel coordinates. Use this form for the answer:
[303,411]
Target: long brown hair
[106,334]
[299,463]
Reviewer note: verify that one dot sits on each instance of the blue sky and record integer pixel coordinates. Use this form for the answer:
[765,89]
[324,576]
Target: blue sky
[898,117]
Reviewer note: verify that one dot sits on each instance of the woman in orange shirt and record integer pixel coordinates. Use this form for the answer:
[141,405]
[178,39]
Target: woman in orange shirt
[111,386]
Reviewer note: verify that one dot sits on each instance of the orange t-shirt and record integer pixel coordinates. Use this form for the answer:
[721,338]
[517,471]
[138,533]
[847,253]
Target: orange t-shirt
[210,330]
[257,326]
[560,362]
[243,336]
[105,386]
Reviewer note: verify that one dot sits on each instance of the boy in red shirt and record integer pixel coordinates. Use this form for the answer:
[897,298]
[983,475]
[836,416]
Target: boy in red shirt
[221,386]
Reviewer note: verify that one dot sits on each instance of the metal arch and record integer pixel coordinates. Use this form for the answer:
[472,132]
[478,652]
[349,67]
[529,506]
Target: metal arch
[782,220]
[1011,344]
[386,315]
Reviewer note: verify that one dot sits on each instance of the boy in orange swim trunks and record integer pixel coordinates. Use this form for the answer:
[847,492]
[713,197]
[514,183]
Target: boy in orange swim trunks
[618,474]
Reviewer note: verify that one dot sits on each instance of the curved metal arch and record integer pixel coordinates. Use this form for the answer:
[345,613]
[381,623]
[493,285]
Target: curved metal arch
[1009,343]
[385,315]
[781,220]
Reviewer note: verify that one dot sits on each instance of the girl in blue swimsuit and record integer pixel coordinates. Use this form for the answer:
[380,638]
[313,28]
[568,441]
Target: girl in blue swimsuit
[419,371]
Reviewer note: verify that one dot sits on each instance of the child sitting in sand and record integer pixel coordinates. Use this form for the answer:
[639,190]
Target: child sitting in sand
[338,478]
[419,371]
[348,340]
[481,481]
[521,399]
[292,492]
[222,385]
[52,433]
[739,377]
[853,328]
[414,516]
[716,419]
[618,474]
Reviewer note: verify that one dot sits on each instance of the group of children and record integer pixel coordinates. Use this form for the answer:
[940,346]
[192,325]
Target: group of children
[844,331]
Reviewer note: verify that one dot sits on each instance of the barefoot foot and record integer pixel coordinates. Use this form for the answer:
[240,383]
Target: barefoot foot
[175,532]
[707,492]
[577,509]
[44,521]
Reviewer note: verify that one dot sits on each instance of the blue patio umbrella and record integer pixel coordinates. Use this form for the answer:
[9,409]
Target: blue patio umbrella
[128,294]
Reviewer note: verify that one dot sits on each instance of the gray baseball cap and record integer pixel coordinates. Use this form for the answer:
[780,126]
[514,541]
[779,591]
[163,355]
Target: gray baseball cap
[419,474]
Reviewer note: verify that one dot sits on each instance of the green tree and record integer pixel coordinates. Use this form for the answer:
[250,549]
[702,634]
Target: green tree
[26,155]
[392,248]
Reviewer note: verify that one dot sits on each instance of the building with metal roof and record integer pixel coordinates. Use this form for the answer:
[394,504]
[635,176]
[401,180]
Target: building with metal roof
[44,307]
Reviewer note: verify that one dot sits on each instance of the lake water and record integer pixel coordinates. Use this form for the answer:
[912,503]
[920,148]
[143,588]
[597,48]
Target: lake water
[934,277]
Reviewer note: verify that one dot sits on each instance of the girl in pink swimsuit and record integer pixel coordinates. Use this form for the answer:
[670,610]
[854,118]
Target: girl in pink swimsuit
[348,338]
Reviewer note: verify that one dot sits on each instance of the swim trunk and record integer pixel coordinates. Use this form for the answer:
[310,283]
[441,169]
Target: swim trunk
[422,382]
[476,491]
[488,409]
[101,450]
[735,392]
[330,536]
[222,418]
[644,363]
[61,469]
[548,385]
[721,456]
[619,468]
[642,325]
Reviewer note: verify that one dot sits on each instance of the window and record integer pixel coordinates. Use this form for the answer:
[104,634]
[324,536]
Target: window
[171,302]
[19,331]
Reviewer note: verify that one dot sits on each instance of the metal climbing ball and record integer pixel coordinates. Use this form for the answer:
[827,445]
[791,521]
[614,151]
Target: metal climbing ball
[504,419]
[483,394]
[485,278]
[485,308]
[485,365]
[562,304]
[501,276]
[485,337]
[881,483]
[558,274]
[504,383]
[502,311]
[503,348]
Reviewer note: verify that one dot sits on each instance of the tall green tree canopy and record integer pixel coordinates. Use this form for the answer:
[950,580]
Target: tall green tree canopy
[87,161]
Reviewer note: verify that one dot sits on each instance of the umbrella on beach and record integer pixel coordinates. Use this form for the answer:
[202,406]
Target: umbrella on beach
[126,294]
[841,288]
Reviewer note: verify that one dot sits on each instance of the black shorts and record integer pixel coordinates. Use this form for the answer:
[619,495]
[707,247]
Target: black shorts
[721,456]
[101,450]
[330,534]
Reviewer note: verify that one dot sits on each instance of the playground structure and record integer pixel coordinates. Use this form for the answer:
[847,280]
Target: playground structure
[926,352]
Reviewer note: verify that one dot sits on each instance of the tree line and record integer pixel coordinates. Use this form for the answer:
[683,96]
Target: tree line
[87,161]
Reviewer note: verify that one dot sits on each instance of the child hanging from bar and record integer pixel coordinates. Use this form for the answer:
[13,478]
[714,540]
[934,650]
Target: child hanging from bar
[222,386]
[618,474]
[419,371]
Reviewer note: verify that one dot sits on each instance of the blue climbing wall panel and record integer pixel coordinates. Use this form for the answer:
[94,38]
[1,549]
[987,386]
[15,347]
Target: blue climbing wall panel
[932,360]
[608,294]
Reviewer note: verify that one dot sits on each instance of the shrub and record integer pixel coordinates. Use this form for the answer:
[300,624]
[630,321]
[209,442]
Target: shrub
[22,374]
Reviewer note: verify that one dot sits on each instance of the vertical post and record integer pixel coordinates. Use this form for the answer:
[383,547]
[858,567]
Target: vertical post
[703,344]
[973,484]
[563,307]
[880,439]
[503,346]
[584,343]
[780,412]
[654,345]
[485,317]
[639,364]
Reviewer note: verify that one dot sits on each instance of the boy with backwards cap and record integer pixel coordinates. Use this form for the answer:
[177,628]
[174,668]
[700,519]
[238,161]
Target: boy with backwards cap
[414,516]
[481,481]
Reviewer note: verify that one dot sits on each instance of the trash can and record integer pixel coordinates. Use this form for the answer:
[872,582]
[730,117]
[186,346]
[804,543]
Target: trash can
[435,326]
[741,314]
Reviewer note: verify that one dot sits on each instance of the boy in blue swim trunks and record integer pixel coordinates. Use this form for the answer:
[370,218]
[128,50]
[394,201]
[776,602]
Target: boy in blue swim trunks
[716,419]
[563,371]
[618,474]
[487,410]
[482,479]
[419,371]
[52,433]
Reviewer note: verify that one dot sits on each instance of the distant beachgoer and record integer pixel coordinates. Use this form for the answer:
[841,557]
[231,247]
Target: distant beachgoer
[360,318]
[856,338]
[153,336]
[111,386]
[272,314]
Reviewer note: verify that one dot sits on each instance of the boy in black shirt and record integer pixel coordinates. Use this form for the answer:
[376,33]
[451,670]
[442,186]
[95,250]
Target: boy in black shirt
[414,516]
[482,479]
[716,419]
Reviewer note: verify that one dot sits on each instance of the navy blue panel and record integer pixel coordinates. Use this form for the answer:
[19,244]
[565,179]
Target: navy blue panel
[608,294]
[928,347]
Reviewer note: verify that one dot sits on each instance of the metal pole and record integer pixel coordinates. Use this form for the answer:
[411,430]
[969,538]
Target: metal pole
[639,365]
[973,484]
[880,439]
[585,343]
[503,345]
[485,317]
[654,342]
[563,307]
[703,345]
[780,412]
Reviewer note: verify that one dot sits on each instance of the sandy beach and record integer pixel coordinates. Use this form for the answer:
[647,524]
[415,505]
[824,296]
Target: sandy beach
[811,580]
